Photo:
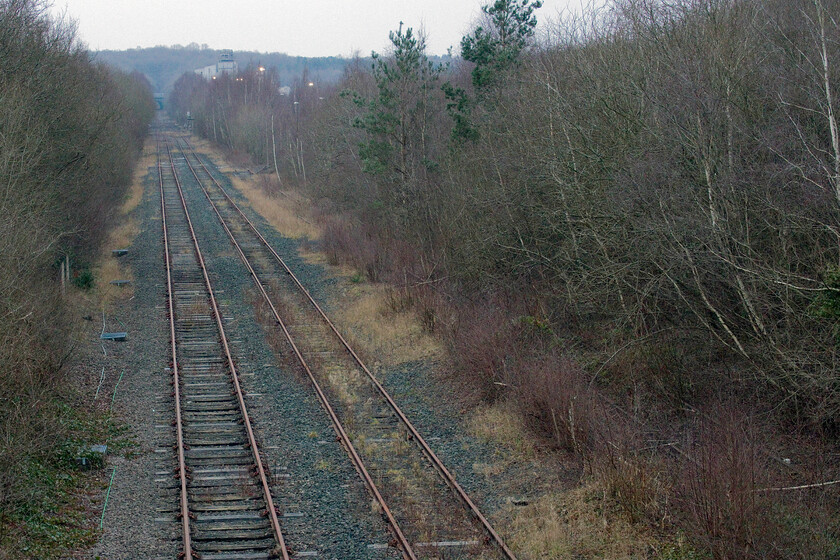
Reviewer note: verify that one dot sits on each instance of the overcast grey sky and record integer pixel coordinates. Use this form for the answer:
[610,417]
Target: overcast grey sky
[300,27]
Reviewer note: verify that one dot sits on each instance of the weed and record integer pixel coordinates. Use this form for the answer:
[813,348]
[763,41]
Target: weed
[633,481]
[84,279]
[352,244]
[680,549]
[378,329]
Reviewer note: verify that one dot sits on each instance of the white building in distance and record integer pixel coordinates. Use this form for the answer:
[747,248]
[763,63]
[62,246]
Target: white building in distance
[225,65]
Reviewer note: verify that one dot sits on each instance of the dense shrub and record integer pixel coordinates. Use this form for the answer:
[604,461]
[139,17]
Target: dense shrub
[71,130]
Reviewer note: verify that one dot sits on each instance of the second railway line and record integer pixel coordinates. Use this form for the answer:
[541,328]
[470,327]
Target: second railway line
[427,512]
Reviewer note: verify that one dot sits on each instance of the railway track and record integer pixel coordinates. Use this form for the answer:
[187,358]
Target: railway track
[226,509]
[428,512]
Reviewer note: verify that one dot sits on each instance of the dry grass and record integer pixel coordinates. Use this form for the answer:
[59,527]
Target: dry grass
[135,193]
[501,424]
[576,524]
[203,145]
[107,267]
[320,259]
[393,337]
[283,212]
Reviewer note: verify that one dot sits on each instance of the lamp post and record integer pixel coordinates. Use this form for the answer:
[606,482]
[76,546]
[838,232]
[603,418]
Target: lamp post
[244,83]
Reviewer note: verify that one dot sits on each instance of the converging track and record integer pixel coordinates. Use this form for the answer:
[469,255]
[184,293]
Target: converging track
[429,513]
[226,509]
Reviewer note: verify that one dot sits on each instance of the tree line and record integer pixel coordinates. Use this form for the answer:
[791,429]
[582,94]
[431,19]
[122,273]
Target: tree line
[70,132]
[164,65]
[629,225]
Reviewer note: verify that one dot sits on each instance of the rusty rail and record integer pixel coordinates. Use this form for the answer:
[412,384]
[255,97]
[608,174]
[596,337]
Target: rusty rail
[179,428]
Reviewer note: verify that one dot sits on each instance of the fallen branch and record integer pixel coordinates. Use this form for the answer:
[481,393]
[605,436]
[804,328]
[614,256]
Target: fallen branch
[802,487]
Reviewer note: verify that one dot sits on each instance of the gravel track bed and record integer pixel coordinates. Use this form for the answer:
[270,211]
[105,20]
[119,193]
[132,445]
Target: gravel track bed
[318,282]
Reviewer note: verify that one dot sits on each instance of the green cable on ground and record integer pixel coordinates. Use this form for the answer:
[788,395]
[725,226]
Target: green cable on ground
[107,495]
[101,379]
[115,389]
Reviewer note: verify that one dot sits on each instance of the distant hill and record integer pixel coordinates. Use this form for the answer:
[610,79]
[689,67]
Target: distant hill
[163,65]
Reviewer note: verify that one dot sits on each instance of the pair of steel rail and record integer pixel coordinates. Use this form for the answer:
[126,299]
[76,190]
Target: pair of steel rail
[183,472]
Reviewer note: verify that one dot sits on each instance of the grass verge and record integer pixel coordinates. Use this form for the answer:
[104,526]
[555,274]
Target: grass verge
[282,209]
[580,519]
[108,268]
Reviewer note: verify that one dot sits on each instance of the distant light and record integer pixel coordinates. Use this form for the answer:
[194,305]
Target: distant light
[214,77]
[310,84]
[262,69]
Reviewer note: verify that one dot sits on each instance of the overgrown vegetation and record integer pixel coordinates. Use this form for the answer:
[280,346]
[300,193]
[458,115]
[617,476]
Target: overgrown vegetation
[71,130]
[629,227]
